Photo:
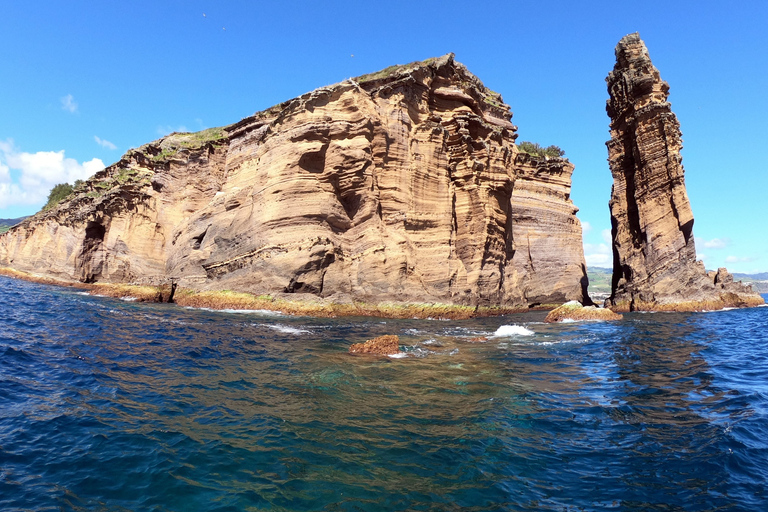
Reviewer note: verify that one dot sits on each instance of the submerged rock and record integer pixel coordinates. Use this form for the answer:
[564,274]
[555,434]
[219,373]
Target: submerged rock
[382,345]
[576,311]
[654,256]
[403,185]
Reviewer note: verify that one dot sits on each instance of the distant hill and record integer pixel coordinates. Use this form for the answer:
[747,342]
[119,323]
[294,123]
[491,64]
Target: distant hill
[600,281]
[5,224]
[762,276]
[758,281]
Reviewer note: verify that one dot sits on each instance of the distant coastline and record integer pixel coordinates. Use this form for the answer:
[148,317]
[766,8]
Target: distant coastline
[600,282]
[6,224]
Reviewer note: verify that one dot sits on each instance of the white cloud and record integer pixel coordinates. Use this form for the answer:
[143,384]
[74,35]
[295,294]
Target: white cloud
[598,255]
[104,143]
[27,178]
[168,129]
[715,243]
[68,103]
[702,257]
[606,234]
[586,227]
[738,259]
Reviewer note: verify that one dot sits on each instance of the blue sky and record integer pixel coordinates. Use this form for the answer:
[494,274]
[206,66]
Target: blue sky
[83,82]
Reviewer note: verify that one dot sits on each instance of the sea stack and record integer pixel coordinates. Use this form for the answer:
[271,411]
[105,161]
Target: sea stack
[404,185]
[654,256]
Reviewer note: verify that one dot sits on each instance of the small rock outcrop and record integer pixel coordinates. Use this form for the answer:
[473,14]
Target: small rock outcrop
[654,256]
[576,311]
[403,185]
[382,345]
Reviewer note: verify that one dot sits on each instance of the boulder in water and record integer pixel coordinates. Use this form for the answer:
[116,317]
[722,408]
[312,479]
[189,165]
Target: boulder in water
[382,345]
[574,310]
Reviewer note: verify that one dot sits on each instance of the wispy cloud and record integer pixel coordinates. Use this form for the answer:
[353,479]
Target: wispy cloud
[739,259]
[27,178]
[68,103]
[167,129]
[104,143]
[586,227]
[606,234]
[598,255]
[715,243]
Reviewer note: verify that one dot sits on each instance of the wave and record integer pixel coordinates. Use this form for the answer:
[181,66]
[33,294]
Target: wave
[264,312]
[512,330]
[285,329]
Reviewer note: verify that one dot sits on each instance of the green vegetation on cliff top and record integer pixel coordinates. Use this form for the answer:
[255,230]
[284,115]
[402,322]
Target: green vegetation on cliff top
[175,142]
[535,149]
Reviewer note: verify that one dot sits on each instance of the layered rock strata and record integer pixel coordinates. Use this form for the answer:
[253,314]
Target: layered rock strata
[654,256]
[404,185]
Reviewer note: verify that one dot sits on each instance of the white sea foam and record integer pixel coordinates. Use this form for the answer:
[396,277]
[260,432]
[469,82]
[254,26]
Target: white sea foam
[398,355]
[286,329]
[512,330]
[128,299]
[263,312]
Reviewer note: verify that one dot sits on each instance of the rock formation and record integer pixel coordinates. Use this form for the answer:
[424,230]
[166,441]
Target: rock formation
[575,311]
[654,257]
[383,345]
[403,185]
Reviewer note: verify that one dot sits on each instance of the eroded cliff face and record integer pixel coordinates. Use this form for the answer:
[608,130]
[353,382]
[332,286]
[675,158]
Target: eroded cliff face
[654,256]
[403,185]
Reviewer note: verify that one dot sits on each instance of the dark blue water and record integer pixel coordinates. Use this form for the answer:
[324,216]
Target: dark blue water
[111,405]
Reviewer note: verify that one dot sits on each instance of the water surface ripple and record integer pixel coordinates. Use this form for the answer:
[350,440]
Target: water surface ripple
[113,405]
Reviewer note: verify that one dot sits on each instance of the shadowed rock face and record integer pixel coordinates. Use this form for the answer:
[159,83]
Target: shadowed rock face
[401,185]
[654,257]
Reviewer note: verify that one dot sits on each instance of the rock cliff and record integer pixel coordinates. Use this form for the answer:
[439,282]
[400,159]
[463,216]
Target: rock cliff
[654,257]
[402,185]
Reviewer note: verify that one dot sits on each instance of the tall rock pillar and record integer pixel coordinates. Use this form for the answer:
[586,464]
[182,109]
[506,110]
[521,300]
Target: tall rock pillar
[654,257]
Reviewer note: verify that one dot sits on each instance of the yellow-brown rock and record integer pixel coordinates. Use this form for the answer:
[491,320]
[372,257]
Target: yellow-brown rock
[382,345]
[548,261]
[654,257]
[403,186]
[576,311]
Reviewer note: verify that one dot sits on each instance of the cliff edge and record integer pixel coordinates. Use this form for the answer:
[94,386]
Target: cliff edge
[403,185]
[654,256]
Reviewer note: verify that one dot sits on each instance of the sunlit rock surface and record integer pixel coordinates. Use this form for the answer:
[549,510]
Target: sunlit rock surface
[401,185]
[654,257]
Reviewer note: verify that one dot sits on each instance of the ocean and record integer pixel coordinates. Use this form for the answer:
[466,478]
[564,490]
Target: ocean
[112,405]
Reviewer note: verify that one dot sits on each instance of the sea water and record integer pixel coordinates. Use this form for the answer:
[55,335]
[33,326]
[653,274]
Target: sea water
[115,405]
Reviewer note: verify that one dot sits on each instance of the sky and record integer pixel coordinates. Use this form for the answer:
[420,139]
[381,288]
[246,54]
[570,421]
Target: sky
[83,82]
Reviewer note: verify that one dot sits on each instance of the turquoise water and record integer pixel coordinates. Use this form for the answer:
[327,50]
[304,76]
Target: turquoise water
[113,405]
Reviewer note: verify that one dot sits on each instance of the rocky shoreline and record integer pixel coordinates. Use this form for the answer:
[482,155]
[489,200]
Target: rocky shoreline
[291,305]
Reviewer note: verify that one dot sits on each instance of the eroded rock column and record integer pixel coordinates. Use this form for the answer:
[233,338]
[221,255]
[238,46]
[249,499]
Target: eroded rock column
[654,256]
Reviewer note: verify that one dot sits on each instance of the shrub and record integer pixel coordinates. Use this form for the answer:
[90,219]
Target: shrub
[535,149]
[57,194]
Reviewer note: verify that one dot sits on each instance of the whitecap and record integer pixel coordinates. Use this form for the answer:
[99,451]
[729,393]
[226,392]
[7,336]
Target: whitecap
[398,355]
[512,330]
[264,312]
[286,329]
